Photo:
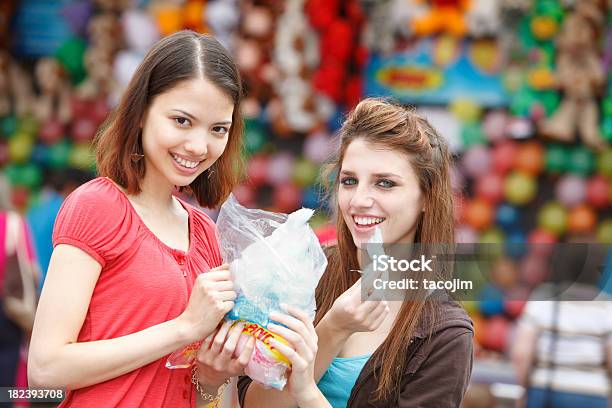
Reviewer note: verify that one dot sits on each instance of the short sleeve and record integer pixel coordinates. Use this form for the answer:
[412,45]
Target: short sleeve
[95,218]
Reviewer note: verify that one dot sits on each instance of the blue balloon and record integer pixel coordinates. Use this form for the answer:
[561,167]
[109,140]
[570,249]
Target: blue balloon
[516,244]
[41,155]
[507,216]
[491,301]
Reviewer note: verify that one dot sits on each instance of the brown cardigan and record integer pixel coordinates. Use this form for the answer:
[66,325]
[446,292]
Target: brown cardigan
[437,372]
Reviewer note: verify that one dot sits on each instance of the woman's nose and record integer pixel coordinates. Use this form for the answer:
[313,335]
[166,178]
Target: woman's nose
[362,198]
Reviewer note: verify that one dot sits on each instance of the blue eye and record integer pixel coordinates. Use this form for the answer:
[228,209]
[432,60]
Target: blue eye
[386,184]
[348,181]
[182,122]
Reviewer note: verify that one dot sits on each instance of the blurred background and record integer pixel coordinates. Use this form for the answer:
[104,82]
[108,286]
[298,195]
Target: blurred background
[522,90]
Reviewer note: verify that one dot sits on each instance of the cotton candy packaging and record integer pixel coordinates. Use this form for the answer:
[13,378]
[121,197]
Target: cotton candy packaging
[274,259]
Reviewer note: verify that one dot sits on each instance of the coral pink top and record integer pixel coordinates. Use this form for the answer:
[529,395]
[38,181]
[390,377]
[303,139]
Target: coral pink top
[143,282]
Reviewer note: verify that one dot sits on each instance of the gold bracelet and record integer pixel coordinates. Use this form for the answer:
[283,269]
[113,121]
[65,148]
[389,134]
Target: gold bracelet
[207,397]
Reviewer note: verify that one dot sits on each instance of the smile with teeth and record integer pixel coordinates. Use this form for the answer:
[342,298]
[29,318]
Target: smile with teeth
[185,163]
[367,221]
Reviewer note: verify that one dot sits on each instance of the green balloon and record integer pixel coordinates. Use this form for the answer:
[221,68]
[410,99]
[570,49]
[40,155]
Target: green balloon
[582,161]
[59,154]
[472,134]
[8,126]
[553,218]
[604,163]
[30,176]
[557,157]
[254,135]
[604,232]
[606,106]
[606,128]
[304,173]
[70,55]
[12,173]
[82,157]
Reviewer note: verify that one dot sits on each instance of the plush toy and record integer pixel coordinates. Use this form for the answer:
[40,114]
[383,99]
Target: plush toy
[54,86]
[443,16]
[580,76]
[15,87]
[483,18]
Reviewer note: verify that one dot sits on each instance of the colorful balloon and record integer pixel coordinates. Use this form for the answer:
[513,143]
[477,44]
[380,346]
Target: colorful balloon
[552,217]
[598,192]
[503,155]
[557,157]
[604,232]
[530,158]
[582,161]
[581,220]
[507,216]
[571,190]
[476,161]
[490,187]
[519,188]
[604,163]
[479,214]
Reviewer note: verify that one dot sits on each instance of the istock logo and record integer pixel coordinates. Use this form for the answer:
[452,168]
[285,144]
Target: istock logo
[384,263]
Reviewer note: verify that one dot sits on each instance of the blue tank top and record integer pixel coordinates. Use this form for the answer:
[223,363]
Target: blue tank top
[340,377]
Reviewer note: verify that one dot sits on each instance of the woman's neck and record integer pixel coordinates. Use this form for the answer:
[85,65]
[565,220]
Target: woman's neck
[154,195]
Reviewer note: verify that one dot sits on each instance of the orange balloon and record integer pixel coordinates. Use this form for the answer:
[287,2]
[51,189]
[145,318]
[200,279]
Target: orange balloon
[530,158]
[480,326]
[582,219]
[478,214]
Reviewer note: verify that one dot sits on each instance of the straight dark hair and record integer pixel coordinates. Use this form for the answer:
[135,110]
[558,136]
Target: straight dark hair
[179,57]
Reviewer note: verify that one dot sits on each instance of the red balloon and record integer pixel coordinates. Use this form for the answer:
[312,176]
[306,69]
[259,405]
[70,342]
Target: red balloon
[80,107]
[598,194]
[83,130]
[99,111]
[490,187]
[51,131]
[534,269]
[327,235]
[287,197]
[497,331]
[503,155]
[20,196]
[257,170]
[458,208]
[541,242]
[514,308]
[245,195]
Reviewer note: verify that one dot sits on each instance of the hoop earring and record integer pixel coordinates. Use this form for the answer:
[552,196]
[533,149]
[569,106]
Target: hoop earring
[136,157]
[209,172]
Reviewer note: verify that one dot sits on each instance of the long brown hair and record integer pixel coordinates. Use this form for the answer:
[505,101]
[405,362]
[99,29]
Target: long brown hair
[179,57]
[390,126]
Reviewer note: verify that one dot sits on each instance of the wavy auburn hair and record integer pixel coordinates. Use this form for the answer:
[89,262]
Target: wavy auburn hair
[390,126]
[179,57]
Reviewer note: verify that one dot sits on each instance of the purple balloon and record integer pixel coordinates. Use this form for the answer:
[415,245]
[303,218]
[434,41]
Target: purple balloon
[571,190]
[280,168]
[465,235]
[318,147]
[495,126]
[477,161]
[77,15]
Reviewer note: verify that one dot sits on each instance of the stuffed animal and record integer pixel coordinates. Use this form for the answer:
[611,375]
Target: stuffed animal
[443,16]
[580,76]
[54,99]
[15,87]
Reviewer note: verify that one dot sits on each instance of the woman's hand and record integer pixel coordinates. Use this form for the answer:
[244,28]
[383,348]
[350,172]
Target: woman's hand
[301,351]
[211,298]
[350,314]
[224,354]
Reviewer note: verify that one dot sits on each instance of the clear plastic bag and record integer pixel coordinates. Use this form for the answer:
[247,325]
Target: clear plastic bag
[274,259]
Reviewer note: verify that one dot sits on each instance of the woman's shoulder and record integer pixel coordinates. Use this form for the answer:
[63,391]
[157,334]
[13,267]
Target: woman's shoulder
[101,194]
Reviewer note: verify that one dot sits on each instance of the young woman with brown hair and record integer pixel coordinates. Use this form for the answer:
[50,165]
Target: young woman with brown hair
[126,284]
[392,173]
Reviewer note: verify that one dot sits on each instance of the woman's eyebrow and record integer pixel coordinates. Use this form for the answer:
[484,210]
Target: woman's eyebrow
[227,122]
[189,115]
[383,175]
